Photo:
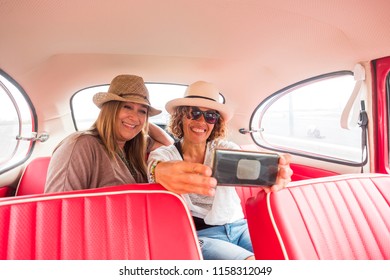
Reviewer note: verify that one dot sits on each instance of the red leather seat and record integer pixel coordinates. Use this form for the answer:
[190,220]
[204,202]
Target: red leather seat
[339,217]
[4,191]
[246,192]
[137,222]
[33,179]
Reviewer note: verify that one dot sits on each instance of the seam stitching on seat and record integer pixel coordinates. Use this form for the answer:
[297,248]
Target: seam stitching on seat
[366,218]
[303,217]
[281,243]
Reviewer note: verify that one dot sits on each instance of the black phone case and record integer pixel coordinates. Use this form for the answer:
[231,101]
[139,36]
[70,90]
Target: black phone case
[245,168]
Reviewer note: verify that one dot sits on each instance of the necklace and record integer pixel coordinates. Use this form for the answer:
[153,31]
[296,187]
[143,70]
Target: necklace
[127,163]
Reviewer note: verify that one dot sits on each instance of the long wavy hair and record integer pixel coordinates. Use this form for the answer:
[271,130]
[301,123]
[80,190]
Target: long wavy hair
[105,129]
[175,124]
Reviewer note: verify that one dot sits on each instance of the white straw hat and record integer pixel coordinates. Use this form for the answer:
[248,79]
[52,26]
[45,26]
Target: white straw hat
[201,94]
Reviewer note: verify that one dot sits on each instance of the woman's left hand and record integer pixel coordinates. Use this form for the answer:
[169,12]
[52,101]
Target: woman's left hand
[284,174]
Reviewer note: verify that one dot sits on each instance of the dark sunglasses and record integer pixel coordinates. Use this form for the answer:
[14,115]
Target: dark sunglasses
[210,117]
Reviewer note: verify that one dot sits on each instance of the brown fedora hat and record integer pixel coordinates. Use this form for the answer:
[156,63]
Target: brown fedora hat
[126,88]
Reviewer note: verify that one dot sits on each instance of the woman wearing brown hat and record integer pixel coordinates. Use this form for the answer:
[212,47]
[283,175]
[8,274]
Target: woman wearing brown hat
[113,151]
[198,121]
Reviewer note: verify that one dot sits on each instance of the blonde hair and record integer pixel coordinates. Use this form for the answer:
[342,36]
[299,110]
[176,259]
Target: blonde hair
[175,125]
[105,129]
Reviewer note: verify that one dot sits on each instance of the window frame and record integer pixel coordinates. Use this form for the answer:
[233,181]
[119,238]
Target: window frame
[387,94]
[34,121]
[294,151]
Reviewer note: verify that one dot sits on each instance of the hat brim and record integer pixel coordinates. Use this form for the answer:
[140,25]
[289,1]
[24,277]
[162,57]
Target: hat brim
[102,97]
[223,109]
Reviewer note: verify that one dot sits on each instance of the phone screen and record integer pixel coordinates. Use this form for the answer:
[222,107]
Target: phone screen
[245,168]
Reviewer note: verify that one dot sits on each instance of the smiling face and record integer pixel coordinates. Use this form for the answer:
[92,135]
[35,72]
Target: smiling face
[130,120]
[197,131]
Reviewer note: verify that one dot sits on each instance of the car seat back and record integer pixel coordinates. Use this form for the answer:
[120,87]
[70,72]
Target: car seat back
[33,179]
[107,223]
[338,217]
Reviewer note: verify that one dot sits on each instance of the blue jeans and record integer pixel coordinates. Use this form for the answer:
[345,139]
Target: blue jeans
[226,242]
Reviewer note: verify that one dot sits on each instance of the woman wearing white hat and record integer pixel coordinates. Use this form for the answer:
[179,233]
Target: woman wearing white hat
[113,151]
[198,122]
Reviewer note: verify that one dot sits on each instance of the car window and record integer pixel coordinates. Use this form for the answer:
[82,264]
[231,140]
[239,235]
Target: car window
[17,120]
[304,119]
[85,112]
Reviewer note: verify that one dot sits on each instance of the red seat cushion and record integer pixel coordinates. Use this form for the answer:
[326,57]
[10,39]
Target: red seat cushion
[246,192]
[4,191]
[33,179]
[339,217]
[107,223]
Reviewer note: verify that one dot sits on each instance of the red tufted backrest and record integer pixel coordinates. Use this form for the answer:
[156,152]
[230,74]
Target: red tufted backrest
[246,192]
[108,223]
[4,191]
[339,217]
[33,179]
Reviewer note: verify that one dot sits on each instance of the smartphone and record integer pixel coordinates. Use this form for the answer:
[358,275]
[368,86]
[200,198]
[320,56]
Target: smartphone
[245,168]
